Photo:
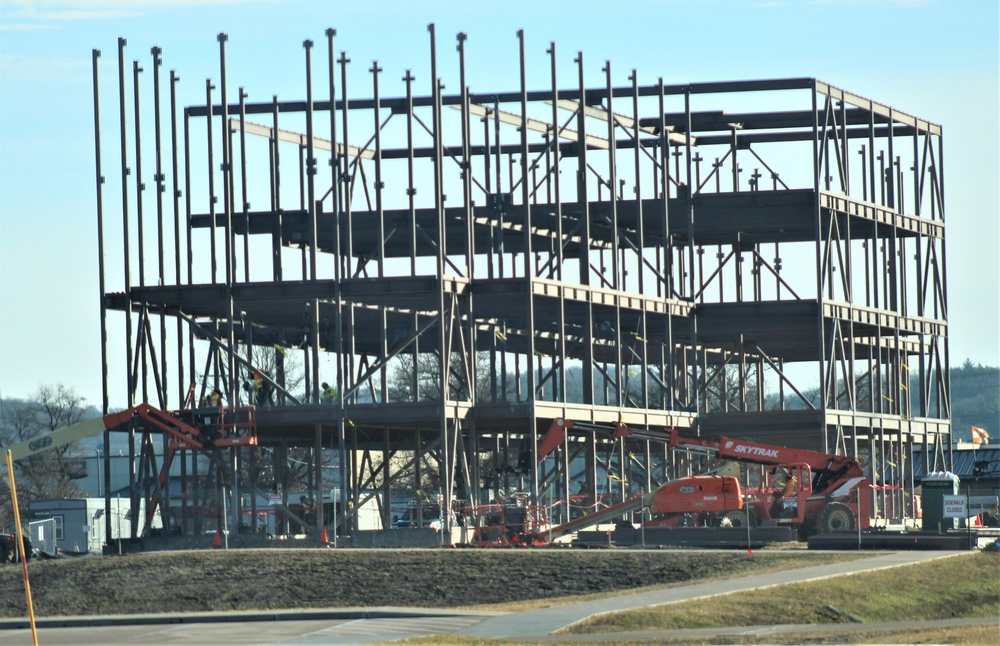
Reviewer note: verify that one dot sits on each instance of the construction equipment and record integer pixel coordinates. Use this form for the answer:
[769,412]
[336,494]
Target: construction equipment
[214,426]
[512,522]
[809,490]
[205,427]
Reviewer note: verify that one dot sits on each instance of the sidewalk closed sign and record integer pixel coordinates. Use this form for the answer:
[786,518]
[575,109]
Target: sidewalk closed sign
[954,506]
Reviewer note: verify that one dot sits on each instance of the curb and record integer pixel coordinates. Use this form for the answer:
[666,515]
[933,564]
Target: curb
[242,616]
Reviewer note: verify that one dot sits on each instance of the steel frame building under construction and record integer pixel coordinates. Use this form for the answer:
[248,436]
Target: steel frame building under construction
[760,259]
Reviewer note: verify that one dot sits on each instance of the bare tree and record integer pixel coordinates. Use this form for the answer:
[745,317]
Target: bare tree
[52,473]
[728,390]
[428,377]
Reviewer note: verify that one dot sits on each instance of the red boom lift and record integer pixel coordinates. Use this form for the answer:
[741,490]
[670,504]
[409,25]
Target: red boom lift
[191,428]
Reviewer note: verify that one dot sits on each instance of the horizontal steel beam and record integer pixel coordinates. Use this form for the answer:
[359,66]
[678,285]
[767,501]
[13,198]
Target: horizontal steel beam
[535,125]
[593,97]
[235,125]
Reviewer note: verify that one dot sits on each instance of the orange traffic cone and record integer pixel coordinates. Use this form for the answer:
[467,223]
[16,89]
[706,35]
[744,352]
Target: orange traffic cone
[323,536]
[218,539]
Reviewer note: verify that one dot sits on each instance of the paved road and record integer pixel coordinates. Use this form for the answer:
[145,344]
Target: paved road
[360,626]
[276,633]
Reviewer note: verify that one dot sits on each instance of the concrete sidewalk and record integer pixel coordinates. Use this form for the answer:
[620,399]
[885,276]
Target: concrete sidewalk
[538,623]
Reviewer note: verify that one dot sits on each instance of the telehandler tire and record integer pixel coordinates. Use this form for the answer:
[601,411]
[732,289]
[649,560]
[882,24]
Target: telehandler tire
[835,517]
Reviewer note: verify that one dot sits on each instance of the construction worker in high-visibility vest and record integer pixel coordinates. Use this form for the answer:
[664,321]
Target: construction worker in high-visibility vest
[258,386]
[329,393]
[789,487]
[210,416]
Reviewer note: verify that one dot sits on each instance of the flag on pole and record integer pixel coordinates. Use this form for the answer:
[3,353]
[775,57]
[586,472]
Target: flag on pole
[980,436]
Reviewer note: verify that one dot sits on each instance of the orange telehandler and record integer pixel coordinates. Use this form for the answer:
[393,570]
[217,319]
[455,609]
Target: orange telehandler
[812,491]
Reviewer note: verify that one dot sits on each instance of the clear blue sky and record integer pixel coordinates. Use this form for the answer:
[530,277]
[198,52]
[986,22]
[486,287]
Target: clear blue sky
[936,59]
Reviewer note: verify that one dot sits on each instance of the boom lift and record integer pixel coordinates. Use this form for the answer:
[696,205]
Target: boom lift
[206,427]
[809,490]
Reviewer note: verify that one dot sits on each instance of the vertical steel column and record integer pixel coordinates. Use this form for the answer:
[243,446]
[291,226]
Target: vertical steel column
[946,370]
[418,476]
[99,183]
[348,257]
[310,170]
[160,178]
[140,187]
[892,301]
[670,400]
[379,184]
[314,345]
[477,476]
[338,342]
[501,205]
[411,189]
[560,239]
[694,398]
[470,242]
[587,374]
[276,236]
[232,391]
[617,260]
[921,287]
[383,352]
[318,452]
[386,476]
[617,269]
[641,244]
[243,185]
[565,480]
[447,476]
[848,259]
[871,156]
[590,466]
[334,154]
[355,475]
[528,271]
[895,261]
[640,234]
[818,233]
[845,164]
[735,166]
[175,179]
[487,175]
[210,117]
[310,167]
[189,247]
[555,175]
[126,171]
[470,251]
